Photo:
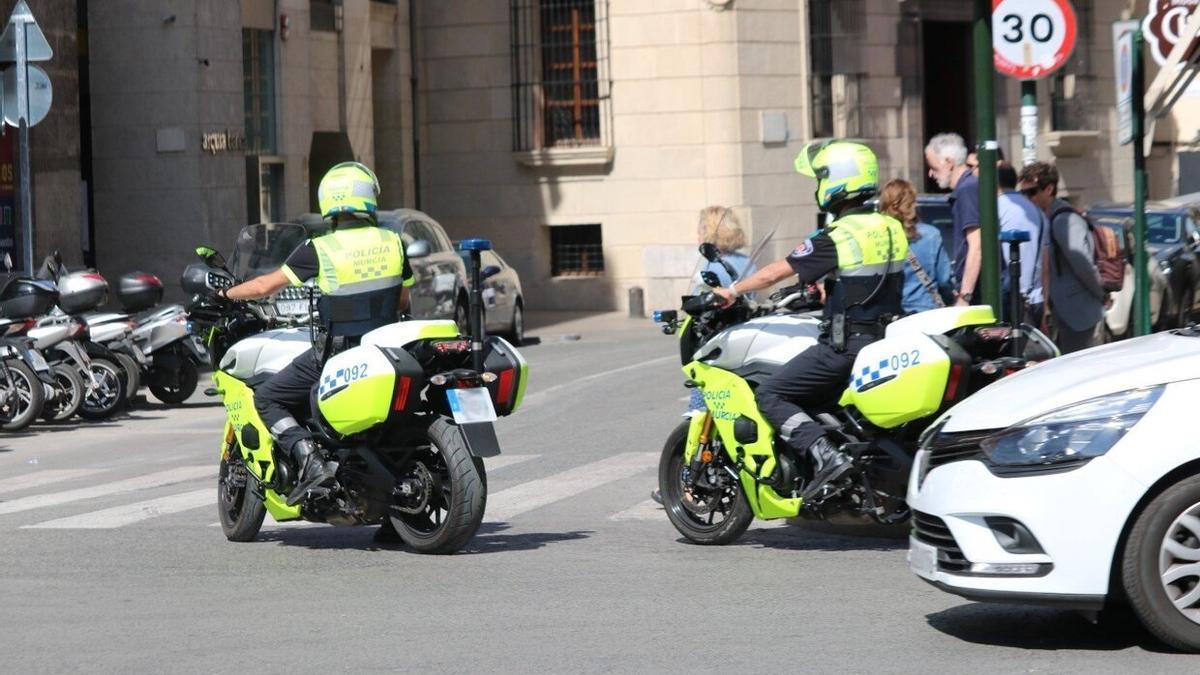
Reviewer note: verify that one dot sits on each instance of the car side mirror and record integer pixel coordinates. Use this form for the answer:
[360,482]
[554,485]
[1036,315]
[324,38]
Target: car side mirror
[489,271]
[710,279]
[418,249]
[710,252]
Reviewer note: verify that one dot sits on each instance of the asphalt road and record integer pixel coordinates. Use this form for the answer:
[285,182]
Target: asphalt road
[110,562]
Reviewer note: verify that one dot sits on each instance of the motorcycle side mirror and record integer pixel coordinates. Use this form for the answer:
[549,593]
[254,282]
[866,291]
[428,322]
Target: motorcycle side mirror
[489,271]
[211,256]
[710,252]
[418,249]
[710,279]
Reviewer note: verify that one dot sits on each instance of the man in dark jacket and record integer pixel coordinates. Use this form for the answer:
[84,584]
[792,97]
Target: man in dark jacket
[1074,296]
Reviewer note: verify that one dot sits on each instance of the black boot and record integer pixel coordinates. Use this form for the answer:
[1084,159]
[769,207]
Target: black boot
[313,472]
[829,464]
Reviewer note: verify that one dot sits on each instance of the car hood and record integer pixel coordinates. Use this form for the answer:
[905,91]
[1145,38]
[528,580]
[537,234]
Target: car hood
[1130,364]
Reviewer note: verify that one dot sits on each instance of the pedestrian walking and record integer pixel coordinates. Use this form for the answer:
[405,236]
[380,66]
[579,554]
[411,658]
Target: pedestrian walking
[1073,292]
[946,156]
[927,280]
[1019,214]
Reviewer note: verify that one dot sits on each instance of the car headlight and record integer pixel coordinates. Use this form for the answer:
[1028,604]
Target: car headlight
[1071,435]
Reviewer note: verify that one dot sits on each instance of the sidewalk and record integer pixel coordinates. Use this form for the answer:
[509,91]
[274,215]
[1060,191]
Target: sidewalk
[578,325]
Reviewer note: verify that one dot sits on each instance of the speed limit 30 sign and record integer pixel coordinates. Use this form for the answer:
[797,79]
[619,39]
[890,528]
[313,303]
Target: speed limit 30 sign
[1032,38]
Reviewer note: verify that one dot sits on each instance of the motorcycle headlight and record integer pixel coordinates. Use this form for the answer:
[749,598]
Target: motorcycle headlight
[1070,435]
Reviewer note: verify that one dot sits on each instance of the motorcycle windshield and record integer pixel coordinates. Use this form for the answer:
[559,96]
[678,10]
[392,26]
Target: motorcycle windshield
[264,247]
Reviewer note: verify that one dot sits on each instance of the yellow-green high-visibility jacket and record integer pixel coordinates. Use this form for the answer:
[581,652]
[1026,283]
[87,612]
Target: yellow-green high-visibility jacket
[359,271]
[871,251]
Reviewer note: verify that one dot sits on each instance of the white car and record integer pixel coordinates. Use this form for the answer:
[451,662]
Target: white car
[1074,483]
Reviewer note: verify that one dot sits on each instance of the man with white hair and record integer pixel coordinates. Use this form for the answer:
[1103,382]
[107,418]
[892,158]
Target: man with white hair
[946,156]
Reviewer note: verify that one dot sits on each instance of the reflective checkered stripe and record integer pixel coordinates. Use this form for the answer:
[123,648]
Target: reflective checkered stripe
[868,374]
[359,260]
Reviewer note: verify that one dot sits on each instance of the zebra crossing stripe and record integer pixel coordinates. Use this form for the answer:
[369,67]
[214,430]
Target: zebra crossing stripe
[535,494]
[500,461]
[647,510]
[152,480]
[44,477]
[128,514]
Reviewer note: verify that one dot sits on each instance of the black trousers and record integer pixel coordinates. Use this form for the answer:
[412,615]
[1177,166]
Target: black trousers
[816,376]
[285,394]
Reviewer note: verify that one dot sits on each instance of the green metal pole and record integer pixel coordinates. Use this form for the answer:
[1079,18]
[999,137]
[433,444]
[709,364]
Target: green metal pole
[1141,297]
[985,132]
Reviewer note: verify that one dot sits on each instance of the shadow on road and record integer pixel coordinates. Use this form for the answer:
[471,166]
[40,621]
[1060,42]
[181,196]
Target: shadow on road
[797,539]
[489,539]
[1042,628]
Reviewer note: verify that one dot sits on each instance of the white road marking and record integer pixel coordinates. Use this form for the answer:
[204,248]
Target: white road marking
[153,480]
[501,461]
[537,396]
[647,510]
[45,477]
[538,493]
[128,514]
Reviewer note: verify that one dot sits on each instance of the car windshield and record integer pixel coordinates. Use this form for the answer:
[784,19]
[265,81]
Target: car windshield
[1161,228]
[264,247]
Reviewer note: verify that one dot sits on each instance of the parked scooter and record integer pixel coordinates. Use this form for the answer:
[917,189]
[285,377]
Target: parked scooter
[25,376]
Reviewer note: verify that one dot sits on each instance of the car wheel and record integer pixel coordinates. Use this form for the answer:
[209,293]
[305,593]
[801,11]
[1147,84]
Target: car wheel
[516,331]
[1160,567]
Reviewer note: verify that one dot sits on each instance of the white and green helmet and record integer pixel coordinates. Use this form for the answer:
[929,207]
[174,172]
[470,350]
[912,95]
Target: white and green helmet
[843,169]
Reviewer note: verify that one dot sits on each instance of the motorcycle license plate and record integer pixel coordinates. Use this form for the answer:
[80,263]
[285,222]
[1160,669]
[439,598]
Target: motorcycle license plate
[922,558]
[471,405]
[292,306]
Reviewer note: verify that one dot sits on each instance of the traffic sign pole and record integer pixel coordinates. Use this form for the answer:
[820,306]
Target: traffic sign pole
[1141,287]
[25,187]
[985,133]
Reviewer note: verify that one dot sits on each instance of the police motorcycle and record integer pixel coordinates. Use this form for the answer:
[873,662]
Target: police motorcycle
[164,353]
[91,380]
[723,467]
[407,416]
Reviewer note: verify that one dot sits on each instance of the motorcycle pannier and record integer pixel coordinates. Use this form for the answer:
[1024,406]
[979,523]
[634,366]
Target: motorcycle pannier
[81,292]
[139,291]
[26,298]
[506,363]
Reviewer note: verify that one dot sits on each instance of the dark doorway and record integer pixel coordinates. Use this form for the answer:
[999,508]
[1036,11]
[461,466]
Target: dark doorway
[949,85]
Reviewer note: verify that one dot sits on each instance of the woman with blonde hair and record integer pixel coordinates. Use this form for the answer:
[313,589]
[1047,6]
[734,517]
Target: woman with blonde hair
[927,271]
[720,226]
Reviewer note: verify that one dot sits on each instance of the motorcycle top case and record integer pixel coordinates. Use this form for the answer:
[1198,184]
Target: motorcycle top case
[80,292]
[898,379]
[506,363]
[139,291]
[22,298]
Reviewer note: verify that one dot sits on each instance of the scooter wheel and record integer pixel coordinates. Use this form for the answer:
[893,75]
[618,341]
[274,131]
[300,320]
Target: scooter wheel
[109,395]
[68,397]
[24,401]
[133,375]
[175,388]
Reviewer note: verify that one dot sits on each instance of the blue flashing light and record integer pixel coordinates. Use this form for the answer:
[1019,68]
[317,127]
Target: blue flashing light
[1011,236]
[475,245]
[657,317]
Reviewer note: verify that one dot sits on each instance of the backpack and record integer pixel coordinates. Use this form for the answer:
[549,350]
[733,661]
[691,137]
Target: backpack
[1106,252]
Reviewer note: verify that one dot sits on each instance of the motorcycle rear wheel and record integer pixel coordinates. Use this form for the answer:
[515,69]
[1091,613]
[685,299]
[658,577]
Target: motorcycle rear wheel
[240,509]
[69,396]
[133,375]
[693,526]
[24,404]
[455,506]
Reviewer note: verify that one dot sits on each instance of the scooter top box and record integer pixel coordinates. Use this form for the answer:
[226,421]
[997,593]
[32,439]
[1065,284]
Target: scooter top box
[80,292]
[22,298]
[139,291]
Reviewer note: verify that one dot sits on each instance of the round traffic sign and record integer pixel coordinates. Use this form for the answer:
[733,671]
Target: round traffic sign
[41,94]
[1032,38]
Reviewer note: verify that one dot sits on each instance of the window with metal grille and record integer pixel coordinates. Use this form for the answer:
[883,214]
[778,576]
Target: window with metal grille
[560,73]
[258,90]
[1073,88]
[576,251]
[323,15]
[835,30]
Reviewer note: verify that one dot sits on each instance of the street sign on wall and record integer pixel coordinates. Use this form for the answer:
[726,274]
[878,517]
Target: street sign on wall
[1123,63]
[1032,38]
[1164,25]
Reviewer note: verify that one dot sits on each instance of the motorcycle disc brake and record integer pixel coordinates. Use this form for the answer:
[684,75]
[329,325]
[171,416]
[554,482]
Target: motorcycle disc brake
[423,488]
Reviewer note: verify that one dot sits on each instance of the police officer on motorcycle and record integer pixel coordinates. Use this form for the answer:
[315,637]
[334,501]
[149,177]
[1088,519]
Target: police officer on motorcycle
[363,276]
[861,257]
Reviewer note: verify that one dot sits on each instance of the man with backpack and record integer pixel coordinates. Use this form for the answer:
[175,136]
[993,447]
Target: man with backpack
[1075,294]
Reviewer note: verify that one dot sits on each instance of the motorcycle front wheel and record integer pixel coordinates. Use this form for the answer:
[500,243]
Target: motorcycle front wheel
[714,512]
[448,494]
[67,398]
[240,509]
[21,404]
[109,395]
